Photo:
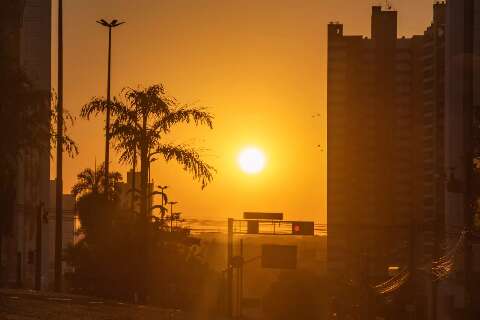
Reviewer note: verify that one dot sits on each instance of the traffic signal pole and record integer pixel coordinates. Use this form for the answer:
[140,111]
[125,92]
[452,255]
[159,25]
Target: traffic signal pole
[229,268]
[38,251]
[240,283]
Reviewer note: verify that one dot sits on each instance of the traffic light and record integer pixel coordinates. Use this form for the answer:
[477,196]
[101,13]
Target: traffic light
[303,228]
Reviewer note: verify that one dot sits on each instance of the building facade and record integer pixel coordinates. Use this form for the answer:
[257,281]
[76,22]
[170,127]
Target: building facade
[386,154]
[459,297]
[373,104]
[434,172]
[24,253]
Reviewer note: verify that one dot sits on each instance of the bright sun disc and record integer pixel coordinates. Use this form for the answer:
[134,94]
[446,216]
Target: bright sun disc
[251,160]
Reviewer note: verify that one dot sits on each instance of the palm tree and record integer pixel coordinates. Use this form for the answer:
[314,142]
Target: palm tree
[92,181]
[140,123]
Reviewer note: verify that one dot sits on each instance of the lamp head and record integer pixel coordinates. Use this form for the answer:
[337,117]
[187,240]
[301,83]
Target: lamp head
[112,24]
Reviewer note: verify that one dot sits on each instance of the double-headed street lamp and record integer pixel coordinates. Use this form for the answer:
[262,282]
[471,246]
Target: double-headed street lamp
[110,25]
[164,196]
[171,203]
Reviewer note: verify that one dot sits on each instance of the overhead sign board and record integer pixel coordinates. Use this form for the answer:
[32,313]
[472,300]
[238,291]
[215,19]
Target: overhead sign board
[263,216]
[279,256]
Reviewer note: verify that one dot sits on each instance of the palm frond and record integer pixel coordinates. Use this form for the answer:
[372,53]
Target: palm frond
[184,115]
[190,159]
[93,108]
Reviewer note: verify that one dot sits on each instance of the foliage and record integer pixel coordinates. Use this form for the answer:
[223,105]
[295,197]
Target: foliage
[68,144]
[141,121]
[107,261]
[93,181]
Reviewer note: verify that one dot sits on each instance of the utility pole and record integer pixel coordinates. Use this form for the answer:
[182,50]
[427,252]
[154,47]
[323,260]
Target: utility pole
[412,308]
[229,268]
[240,271]
[59,182]
[172,203]
[110,25]
[38,249]
[469,7]
[164,198]
[133,179]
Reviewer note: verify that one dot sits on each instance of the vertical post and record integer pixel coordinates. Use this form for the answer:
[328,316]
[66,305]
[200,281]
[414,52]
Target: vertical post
[107,121]
[38,251]
[240,281]
[229,267]
[133,179]
[438,183]
[468,140]
[1,258]
[368,312]
[171,216]
[59,182]
[19,270]
[412,266]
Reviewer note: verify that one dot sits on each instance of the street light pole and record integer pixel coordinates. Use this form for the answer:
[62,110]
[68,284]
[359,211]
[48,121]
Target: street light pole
[162,190]
[172,203]
[110,26]
[59,182]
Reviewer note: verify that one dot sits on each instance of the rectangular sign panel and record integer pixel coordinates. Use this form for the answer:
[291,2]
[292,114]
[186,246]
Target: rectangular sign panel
[263,215]
[303,228]
[279,256]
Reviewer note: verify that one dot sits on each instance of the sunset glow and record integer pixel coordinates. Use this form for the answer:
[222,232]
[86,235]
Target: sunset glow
[251,160]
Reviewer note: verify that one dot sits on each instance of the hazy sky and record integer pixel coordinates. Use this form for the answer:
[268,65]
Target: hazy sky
[258,65]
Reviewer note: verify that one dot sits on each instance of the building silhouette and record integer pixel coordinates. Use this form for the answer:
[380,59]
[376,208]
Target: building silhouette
[125,192]
[458,295]
[374,95]
[386,154]
[26,24]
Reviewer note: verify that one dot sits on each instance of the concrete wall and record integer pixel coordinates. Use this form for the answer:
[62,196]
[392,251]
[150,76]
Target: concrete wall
[34,167]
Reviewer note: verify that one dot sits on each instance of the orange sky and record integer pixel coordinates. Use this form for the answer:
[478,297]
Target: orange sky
[260,67]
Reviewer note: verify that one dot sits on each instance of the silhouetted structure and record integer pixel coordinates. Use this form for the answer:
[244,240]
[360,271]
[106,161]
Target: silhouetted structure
[125,192]
[459,297]
[27,26]
[373,94]
[386,152]
[70,224]
[433,147]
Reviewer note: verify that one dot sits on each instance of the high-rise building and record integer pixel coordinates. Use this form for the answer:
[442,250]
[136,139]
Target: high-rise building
[433,148]
[459,297]
[385,197]
[29,32]
[374,99]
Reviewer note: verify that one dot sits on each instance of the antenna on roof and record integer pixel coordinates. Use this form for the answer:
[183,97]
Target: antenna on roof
[388,5]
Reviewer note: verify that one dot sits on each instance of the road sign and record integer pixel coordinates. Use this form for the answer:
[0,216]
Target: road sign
[263,215]
[252,227]
[303,228]
[279,256]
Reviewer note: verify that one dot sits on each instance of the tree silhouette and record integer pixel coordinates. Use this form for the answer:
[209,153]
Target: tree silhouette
[140,123]
[92,181]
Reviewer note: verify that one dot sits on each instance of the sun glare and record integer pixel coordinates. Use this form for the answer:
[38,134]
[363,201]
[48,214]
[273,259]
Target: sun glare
[251,160]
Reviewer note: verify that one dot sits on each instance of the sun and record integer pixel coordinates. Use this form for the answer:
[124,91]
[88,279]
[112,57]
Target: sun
[251,160]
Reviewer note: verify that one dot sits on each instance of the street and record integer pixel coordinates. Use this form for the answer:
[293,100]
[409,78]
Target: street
[29,305]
